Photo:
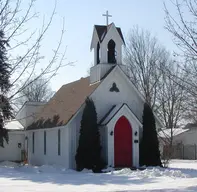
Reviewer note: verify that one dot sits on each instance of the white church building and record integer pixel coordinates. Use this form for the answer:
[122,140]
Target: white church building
[52,129]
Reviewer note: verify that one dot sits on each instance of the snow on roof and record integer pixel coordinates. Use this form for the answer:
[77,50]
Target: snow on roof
[165,133]
[13,125]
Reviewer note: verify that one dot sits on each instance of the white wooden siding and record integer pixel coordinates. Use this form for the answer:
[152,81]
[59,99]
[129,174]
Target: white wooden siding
[11,151]
[51,157]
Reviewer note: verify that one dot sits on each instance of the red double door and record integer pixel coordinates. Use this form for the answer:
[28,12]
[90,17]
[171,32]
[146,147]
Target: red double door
[123,143]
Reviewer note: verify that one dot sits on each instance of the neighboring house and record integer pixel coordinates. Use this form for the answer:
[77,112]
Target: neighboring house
[52,129]
[186,136]
[176,134]
[184,140]
[13,151]
[27,113]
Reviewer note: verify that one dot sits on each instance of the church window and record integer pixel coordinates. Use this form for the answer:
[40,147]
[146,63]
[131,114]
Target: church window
[33,137]
[59,142]
[98,53]
[114,88]
[45,142]
[111,52]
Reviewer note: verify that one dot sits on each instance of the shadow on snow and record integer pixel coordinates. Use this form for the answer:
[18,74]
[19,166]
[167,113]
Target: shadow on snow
[70,177]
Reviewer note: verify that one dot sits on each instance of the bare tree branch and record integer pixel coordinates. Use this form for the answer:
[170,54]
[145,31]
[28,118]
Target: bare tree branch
[143,55]
[25,66]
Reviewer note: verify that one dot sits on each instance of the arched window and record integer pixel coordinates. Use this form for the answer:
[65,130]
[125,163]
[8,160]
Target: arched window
[45,145]
[98,53]
[33,142]
[111,52]
[59,142]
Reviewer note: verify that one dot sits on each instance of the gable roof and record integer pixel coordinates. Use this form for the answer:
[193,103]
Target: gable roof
[102,31]
[13,125]
[68,100]
[30,103]
[137,91]
[113,111]
[64,104]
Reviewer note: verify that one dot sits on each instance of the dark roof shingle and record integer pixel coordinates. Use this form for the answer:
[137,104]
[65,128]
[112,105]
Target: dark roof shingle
[102,31]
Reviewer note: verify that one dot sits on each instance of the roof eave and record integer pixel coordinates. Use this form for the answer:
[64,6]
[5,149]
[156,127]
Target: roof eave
[94,36]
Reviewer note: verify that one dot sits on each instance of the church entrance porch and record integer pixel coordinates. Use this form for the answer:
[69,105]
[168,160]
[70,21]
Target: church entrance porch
[120,131]
[123,143]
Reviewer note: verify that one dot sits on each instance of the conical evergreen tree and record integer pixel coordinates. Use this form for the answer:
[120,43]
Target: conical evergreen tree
[149,146]
[5,107]
[89,149]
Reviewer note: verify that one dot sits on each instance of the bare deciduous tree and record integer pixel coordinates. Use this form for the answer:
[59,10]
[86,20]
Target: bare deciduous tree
[191,94]
[38,91]
[24,52]
[171,99]
[182,25]
[157,77]
[145,56]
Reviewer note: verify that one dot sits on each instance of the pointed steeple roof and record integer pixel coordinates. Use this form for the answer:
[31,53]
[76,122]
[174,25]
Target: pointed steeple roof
[102,31]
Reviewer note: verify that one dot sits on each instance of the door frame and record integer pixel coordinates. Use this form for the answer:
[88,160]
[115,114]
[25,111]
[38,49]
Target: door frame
[136,127]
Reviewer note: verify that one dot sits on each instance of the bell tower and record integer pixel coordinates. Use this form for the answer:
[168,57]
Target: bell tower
[107,41]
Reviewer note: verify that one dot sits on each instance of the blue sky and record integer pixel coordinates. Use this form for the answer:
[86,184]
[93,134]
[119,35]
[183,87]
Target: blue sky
[80,17]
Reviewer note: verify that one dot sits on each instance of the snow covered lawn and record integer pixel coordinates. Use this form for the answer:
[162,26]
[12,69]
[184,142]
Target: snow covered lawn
[180,177]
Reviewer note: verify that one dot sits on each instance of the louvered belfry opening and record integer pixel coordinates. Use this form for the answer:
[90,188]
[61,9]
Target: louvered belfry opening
[111,52]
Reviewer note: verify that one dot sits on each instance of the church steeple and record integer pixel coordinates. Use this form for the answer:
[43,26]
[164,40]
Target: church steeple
[107,41]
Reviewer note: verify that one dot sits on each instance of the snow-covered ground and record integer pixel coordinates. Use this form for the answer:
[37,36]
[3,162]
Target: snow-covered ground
[180,177]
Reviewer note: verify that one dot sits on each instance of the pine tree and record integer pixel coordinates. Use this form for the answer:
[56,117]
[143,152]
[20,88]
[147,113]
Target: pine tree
[149,146]
[5,107]
[89,149]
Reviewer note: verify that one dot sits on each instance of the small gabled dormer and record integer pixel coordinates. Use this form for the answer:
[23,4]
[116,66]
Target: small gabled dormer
[107,43]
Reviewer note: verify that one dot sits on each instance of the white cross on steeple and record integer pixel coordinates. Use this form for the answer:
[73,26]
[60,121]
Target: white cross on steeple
[107,17]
